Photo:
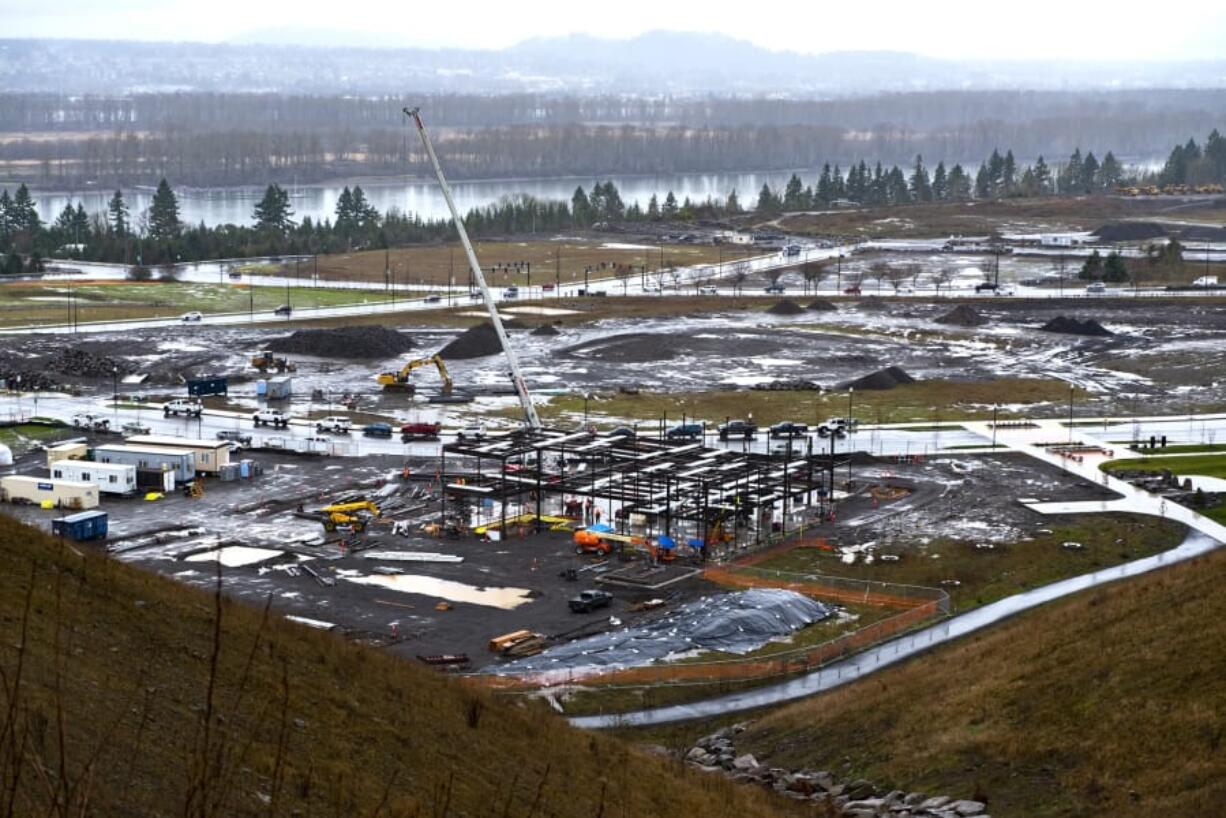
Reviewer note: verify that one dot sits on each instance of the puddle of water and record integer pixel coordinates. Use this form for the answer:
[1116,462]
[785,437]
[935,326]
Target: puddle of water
[504,598]
[235,556]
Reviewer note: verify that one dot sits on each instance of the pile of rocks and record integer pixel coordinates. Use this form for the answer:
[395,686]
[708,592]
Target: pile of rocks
[82,363]
[717,753]
[791,385]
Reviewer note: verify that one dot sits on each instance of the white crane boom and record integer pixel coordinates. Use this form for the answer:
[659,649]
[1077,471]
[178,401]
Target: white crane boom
[521,388]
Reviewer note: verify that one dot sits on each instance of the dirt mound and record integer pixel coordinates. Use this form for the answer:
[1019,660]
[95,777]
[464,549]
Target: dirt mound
[963,315]
[474,342]
[1072,326]
[31,379]
[546,329]
[887,378]
[1130,231]
[793,385]
[786,307]
[822,305]
[344,342]
[1200,232]
[82,363]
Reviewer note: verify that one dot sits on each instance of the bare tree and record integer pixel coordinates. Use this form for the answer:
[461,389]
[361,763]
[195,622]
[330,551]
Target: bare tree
[880,270]
[943,276]
[914,271]
[814,272]
[739,275]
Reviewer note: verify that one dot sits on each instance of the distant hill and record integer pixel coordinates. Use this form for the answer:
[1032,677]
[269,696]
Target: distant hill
[1105,704]
[123,696]
[311,60]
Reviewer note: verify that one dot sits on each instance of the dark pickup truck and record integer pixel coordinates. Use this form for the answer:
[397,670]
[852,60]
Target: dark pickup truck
[737,428]
[588,601]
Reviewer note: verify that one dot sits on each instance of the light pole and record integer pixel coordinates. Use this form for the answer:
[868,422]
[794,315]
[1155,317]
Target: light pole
[851,390]
[115,391]
[1070,413]
[18,380]
[586,397]
[994,408]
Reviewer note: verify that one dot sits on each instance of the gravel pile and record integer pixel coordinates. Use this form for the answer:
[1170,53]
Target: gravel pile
[81,363]
[822,305]
[1073,326]
[1130,231]
[792,385]
[963,315]
[344,342]
[786,307]
[887,378]
[474,342]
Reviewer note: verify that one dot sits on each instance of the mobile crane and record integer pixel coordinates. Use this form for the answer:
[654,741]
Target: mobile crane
[400,379]
[531,419]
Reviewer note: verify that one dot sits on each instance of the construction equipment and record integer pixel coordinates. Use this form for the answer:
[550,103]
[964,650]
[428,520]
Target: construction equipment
[355,515]
[266,361]
[531,419]
[400,380]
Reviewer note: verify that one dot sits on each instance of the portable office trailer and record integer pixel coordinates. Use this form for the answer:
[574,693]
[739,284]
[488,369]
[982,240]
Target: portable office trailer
[66,451]
[201,387]
[110,478]
[159,458]
[85,525]
[280,388]
[17,488]
[210,455]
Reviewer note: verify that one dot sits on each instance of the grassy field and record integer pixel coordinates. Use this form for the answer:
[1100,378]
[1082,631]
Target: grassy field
[932,400]
[1190,448]
[549,261]
[1206,465]
[1105,704]
[23,437]
[48,302]
[127,694]
[986,575]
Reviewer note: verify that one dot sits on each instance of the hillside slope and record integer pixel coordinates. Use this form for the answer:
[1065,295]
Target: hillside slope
[123,695]
[1112,703]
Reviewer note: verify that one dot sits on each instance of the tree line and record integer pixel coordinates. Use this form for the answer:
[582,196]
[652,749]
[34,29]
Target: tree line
[158,235]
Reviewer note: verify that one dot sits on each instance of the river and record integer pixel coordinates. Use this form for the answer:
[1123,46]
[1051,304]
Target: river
[233,205]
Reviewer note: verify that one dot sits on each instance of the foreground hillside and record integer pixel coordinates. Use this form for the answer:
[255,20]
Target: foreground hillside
[1109,703]
[124,694]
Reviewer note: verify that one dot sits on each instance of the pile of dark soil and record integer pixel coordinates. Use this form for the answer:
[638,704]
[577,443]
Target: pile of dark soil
[793,385]
[546,329]
[1200,232]
[81,363]
[786,307]
[1130,231]
[963,315]
[1072,326]
[344,342]
[474,342]
[887,378]
[31,379]
[822,305]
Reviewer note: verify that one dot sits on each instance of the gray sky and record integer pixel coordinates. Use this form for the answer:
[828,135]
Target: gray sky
[1038,29]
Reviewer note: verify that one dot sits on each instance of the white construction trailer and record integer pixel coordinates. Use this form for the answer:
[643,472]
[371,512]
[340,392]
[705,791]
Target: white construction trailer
[110,478]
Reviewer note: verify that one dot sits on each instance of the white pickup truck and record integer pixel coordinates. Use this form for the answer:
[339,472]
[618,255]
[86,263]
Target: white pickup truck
[182,406]
[336,424]
[271,417]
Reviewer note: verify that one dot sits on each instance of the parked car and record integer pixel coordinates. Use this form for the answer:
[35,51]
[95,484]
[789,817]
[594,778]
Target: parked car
[511,292]
[547,288]
[183,406]
[623,431]
[1006,291]
[96,423]
[854,290]
[710,289]
[135,428]
[838,427]
[985,286]
[783,448]
[336,424]
[684,431]
[271,417]
[235,436]
[433,298]
[475,295]
[792,250]
[775,288]
[1097,288]
[737,428]
[474,432]
[588,601]
[419,431]
[377,430]
[191,316]
[651,288]
[789,429]
[284,309]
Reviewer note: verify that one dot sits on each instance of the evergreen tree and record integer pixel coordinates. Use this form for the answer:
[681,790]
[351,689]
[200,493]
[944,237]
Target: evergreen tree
[117,210]
[793,194]
[1114,269]
[64,221]
[898,192]
[1110,173]
[959,184]
[825,186]
[653,208]
[768,202]
[1042,177]
[1089,174]
[1008,174]
[670,206]
[838,186]
[23,216]
[273,212]
[734,203]
[921,187]
[983,183]
[13,264]
[940,183]
[996,174]
[364,213]
[164,213]
[614,207]
[1092,270]
[80,224]
[6,214]
[580,208]
[1071,178]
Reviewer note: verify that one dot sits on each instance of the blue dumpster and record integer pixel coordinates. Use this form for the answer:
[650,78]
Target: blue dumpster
[87,525]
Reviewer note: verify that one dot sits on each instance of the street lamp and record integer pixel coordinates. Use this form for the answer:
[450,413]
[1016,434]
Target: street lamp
[115,391]
[995,406]
[1070,413]
[586,396]
[851,390]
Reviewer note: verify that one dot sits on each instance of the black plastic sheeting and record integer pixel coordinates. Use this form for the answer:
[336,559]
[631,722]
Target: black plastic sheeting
[736,622]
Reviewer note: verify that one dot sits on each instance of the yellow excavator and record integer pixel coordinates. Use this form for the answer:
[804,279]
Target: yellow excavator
[400,380]
[354,515]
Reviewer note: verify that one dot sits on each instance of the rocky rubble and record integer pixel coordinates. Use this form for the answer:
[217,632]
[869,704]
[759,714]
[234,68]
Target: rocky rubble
[858,798]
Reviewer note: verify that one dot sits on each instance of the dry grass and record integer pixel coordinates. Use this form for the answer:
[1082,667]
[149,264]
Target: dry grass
[1109,703]
[127,694]
[932,400]
[550,261]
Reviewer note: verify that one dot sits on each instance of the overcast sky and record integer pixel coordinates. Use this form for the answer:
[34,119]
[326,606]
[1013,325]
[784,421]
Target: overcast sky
[1193,29]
